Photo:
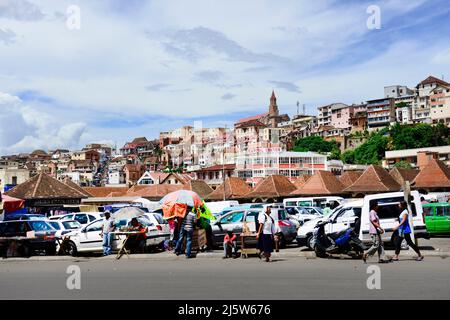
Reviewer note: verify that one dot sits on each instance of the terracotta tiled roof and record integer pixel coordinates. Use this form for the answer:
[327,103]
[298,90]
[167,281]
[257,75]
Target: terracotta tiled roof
[349,177]
[374,179]
[321,183]
[247,119]
[401,175]
[274,186]
[219,167]
[251,123]
[235,188]
[434,175]
[198,186]
[68,182]
[431,80]
[101,192]
[156,191]
[42,186]
[300,181]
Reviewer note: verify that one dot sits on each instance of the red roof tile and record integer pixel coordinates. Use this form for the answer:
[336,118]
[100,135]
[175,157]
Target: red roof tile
[321,183]
[434,175]
[274,186]
[374,179]
[402,175]
[235,188]
[349,177]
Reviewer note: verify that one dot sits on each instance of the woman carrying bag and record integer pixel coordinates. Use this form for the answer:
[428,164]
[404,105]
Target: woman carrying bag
[266,232]
[403,231]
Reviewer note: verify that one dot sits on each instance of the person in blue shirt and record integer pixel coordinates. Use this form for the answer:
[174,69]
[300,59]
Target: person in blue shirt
[403,231]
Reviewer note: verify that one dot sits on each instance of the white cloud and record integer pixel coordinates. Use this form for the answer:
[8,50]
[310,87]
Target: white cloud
[31,129]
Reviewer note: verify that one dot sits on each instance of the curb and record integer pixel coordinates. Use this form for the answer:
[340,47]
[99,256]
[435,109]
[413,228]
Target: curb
[170,256]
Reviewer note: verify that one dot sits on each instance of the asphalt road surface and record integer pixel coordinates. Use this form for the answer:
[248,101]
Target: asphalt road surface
[288,278]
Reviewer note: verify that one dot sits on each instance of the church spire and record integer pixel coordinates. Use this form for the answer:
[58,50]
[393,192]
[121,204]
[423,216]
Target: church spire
[273,108]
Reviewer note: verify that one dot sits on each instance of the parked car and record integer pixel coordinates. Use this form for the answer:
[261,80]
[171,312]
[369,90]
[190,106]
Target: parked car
[161,225]
[389,212]
[83,217]
[24,216]
[304,214]
[63,227]
[340,219]
[44,236]
[89,239]
[217,207]
[243,206]
[234,221]
[312,202]
[437,217]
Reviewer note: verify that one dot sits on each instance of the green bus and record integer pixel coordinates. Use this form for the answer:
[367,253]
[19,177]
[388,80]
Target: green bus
[437,217]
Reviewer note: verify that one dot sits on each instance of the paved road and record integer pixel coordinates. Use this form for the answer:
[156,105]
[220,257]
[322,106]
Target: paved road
[288,278]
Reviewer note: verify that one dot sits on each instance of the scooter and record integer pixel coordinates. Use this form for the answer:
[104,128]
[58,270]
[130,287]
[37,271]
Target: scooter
[344,242]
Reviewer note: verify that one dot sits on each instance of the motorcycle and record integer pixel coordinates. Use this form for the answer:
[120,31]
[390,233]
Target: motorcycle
[344,242]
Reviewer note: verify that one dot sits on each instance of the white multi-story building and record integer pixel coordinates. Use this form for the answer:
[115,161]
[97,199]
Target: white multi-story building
[422,102]
[254,168]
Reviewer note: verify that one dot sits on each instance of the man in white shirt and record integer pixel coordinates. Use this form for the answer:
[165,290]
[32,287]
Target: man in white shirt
[266,233]
[107,228]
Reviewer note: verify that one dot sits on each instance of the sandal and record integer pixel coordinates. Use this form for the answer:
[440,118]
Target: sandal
[419,258]
[364,257]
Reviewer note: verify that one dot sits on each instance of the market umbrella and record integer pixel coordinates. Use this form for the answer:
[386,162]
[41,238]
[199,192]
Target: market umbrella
[11,204]
[127,213]
[175,204]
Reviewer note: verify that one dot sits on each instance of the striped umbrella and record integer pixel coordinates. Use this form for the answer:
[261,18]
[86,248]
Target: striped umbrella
[175,204]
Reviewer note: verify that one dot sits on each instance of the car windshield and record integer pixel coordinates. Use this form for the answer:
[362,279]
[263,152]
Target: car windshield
[55,225]
[71,225]
[282,215]
[40,226]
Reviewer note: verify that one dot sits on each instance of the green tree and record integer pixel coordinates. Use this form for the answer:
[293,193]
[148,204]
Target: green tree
[371,151]
[348,157]
[315,144]
[403,164]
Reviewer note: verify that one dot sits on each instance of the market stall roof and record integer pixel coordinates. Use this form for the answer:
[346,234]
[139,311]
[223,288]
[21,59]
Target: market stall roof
[402,175]
[434,175]
[42,186]
[274,186]
[374,179]
[155,191]
[99,192]
[300,181]
[68,182]
[235,188]
[198,186]
[349,177]
[321,183]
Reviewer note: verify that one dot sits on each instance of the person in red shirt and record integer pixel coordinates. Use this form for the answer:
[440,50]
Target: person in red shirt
[230,245]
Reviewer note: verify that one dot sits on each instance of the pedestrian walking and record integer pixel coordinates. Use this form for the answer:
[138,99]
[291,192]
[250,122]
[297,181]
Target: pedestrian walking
[403,231]
[108,227]
[266,232]
[186,231]
[375,231]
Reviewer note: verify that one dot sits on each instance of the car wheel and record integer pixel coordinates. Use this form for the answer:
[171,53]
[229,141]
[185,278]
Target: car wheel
[309,242]
[71,249]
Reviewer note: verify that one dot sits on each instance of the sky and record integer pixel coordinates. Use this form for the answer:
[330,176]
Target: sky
[135,68]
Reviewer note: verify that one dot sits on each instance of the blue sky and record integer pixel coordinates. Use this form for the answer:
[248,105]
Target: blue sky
[137,67]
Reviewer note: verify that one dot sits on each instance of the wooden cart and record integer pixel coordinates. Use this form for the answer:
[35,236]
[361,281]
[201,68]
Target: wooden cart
[248,244]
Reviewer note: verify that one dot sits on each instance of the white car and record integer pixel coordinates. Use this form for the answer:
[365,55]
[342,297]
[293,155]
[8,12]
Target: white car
[304,214]
[340,219]
[83,218]
[89,239]
[64,227]
[161,225]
